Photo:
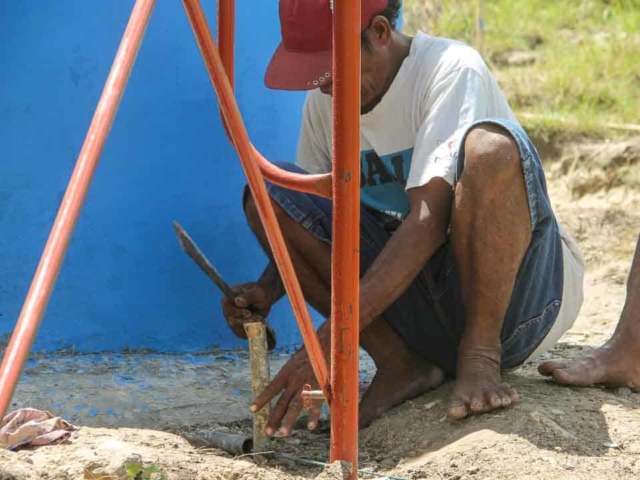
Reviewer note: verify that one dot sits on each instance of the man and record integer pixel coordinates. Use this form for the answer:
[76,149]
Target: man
[465,271]
[617,362]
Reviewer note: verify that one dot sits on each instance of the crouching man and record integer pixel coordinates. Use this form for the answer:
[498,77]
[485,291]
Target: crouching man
[465,271]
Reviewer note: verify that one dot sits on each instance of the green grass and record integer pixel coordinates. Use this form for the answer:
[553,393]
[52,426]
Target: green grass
[587,75]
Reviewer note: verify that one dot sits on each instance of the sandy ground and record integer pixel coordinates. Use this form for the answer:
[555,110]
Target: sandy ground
[555,432]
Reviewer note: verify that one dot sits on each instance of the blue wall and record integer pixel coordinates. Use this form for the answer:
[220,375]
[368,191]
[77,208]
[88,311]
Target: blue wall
[125,281]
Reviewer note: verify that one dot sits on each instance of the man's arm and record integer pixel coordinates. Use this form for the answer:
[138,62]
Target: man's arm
[405,254]
[399,262]
[402,258]
[270,280]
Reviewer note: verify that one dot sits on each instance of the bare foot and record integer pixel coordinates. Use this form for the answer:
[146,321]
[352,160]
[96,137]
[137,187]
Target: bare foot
[479,388]
[393,385]
[615,364]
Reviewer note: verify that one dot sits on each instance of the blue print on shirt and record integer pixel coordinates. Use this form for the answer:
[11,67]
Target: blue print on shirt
[382,181]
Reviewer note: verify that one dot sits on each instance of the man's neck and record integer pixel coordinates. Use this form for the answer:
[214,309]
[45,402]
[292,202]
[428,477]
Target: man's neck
[400,49]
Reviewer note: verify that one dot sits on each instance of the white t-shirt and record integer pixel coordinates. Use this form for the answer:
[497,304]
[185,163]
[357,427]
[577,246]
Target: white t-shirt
[414,134]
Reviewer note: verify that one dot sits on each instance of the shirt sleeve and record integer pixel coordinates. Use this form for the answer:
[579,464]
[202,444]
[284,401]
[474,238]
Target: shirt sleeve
[314,154]
[455,102]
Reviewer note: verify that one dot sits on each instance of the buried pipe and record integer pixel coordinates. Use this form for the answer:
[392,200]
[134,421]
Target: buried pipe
[238,445]
[228,442]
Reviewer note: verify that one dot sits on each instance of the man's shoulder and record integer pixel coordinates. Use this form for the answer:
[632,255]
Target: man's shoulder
[317,106]
[441,55]
[316,100]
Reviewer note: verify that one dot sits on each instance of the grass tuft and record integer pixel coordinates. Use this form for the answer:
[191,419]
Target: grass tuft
[568,65]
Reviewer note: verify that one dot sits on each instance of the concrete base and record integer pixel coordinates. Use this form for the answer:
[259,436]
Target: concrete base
[145,391]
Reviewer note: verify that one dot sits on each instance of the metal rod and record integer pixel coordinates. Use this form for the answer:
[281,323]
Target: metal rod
[62,230]
[226,43]
[345,270]
[241,141]
[226,36]
[316,184]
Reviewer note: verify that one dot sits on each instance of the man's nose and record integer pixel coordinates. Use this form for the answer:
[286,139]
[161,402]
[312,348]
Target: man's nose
[327,88]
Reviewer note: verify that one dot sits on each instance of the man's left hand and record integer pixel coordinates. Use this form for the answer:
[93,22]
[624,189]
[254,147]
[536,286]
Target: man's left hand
[296,373]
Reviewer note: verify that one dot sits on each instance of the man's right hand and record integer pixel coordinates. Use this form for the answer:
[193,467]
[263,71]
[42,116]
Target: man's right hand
[249,296]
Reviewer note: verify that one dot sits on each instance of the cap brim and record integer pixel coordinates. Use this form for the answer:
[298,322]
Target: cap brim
[290,70]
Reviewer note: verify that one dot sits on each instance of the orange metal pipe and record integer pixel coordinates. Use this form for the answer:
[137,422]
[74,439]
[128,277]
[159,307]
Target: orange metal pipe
[345,270]
[241,141]
[315,184]
[226,43]
[56,247]
[226,35]
[319,184]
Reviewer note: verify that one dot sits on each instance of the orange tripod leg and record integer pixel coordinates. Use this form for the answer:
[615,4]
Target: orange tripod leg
[345,308]
[58,242]
[240,139]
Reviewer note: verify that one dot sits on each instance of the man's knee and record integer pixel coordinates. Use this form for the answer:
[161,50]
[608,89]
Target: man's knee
[491,156]
[251,210]
[252,215]
[249,203]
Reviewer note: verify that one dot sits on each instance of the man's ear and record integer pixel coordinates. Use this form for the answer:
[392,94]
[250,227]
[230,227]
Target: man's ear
[379,31]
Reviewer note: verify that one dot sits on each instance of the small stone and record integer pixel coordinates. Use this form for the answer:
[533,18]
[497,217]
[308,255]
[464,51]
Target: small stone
[430,405]
[388,463]
[557,412]
[519,59]
[473,470]
[453,465]
[335,471]
[623,392]
[608,444]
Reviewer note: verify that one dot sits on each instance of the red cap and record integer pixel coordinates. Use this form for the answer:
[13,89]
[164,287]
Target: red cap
[303,58]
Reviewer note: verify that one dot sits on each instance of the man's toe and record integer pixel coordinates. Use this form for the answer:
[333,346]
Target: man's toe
[513,394]
[565,376]
[477,404]
[494,400]
[548,368]
[457,409]
[505,398]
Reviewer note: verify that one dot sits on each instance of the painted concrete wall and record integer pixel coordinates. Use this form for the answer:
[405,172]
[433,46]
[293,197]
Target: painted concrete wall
[125,281]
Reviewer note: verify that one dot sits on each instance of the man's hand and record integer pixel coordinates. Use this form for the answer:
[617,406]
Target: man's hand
[296,373]
[249,296]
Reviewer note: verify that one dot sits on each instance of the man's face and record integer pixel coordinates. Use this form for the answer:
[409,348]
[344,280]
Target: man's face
[376,66]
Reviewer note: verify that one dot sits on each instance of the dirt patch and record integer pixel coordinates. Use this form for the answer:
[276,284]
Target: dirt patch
[599,167]
[555,432]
